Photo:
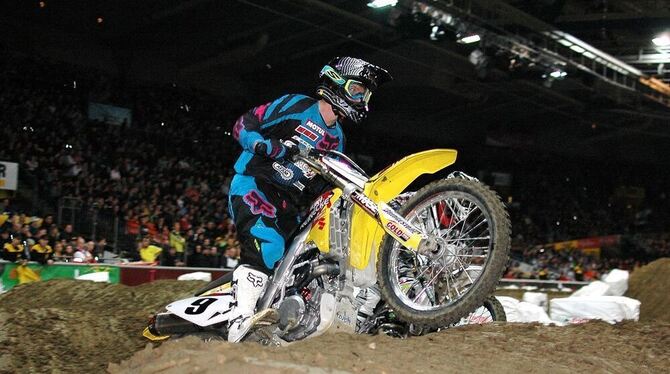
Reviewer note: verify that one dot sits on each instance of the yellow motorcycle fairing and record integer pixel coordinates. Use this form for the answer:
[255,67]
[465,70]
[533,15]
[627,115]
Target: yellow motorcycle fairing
[366,232]
[320,233]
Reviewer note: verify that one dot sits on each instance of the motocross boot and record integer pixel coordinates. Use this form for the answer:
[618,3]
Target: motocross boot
[248,285]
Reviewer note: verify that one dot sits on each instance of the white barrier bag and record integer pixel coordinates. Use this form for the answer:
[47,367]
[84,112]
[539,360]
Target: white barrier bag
[519,311]
[536,298]
[100,276]
[618,281]
[510,305]
[596,288]
[533,313]
[196,276]
[610,309]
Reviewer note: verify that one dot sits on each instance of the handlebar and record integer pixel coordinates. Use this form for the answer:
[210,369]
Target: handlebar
[313,153]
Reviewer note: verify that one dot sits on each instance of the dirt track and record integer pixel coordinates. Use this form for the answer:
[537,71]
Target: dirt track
[599,347]
[74,326]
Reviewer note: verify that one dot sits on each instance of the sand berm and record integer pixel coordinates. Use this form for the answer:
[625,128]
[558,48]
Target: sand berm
[76,326]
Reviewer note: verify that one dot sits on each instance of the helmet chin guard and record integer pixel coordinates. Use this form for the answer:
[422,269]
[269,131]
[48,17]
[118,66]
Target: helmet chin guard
[347,83]
[341,106]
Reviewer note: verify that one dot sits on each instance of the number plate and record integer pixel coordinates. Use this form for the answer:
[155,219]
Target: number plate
[203,311]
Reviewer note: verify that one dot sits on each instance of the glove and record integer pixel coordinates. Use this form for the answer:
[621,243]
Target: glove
[271,148]
[275,150]
[292,150]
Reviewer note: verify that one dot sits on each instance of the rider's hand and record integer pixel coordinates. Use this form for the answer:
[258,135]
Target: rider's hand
[292,150]
[271,148]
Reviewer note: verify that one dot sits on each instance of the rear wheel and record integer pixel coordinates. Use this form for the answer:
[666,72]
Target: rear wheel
[472,228]
[491,311]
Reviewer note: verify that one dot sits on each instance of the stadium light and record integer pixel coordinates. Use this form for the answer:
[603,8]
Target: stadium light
[382,3]
[557,74]
[436,33]
[662,40]
[593,53]
[470,39]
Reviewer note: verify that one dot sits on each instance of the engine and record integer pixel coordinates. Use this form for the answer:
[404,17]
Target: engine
[299,311]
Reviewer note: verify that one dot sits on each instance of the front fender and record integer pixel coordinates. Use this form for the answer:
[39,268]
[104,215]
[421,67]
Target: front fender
[383,187]
[390,182]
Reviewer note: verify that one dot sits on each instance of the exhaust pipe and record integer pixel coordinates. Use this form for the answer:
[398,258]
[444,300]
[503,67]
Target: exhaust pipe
[169,324]
[323,269]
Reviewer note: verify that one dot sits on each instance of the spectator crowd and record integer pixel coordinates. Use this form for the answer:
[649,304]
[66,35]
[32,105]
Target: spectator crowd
[164,176]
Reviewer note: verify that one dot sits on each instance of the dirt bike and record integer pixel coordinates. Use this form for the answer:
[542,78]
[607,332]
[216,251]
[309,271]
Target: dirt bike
[435,259]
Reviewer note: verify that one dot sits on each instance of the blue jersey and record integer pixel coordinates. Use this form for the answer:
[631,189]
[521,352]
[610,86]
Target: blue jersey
[291,117]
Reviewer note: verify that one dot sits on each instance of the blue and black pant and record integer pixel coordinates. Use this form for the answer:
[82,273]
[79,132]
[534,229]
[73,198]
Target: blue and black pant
[265,221]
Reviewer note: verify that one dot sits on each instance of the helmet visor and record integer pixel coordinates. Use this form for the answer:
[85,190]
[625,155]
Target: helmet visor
[356,91]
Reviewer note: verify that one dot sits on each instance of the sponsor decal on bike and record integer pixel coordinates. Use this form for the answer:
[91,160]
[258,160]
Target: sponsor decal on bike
[318,205]
[306,170]
[400,221]
[395,228]
[344,318]
[365,203]
[286,173]
[320,223]
[307,132]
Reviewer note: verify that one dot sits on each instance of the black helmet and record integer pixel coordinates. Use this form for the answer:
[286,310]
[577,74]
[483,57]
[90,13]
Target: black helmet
[347,83]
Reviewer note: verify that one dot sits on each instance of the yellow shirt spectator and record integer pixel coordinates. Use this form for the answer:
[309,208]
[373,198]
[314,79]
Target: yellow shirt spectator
[177,241]
[150,253]
[41,249]
[12,251]
[41,252]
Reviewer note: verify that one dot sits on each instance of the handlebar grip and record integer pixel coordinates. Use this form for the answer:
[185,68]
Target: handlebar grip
[313,152]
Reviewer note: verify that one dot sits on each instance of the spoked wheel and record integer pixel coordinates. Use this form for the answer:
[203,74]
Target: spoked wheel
[491,311]
[471,227]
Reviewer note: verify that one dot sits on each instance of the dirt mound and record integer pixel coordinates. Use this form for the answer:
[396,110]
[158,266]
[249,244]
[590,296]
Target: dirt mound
[650,285]
[499,348]
[77,326]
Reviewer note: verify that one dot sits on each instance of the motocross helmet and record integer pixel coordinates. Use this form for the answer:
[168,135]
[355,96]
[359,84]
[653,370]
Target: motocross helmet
[347,84]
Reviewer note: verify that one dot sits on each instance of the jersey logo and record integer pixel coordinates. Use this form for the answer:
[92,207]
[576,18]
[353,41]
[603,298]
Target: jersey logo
[329,142]
[258,205]
[307,132]
[315,127]
[286,173]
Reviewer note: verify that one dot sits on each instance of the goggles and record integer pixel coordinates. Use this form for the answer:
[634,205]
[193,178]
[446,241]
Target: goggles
[355,90]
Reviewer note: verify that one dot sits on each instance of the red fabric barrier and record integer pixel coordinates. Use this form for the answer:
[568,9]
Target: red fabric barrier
[135,275]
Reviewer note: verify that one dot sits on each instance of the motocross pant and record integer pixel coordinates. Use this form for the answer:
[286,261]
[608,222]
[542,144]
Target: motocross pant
[265,220]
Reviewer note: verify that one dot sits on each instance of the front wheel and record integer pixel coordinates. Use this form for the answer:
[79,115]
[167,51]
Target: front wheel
[472,228]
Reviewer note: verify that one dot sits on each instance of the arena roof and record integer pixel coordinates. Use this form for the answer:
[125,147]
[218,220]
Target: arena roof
[264,48]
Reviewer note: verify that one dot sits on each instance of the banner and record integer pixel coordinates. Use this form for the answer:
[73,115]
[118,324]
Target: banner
[587,243]
[113,115]
[9,173]
[13,274]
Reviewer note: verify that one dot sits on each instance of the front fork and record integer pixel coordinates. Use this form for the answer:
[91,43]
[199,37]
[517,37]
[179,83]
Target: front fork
[394,224]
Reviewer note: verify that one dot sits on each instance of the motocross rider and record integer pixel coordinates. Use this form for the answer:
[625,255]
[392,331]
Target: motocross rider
[268,187]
